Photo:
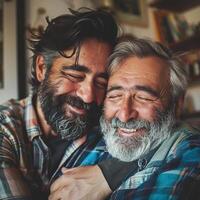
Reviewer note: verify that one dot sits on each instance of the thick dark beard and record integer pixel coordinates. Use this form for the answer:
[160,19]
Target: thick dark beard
[54,109]
[129,149]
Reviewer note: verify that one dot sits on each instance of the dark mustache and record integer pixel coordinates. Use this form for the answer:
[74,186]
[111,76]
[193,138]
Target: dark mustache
[76,102]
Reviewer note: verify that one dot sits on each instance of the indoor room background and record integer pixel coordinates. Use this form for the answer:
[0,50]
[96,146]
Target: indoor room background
[178,26]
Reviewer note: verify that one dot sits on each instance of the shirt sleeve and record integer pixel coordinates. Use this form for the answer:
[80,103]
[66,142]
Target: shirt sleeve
[116,171]
[12,184]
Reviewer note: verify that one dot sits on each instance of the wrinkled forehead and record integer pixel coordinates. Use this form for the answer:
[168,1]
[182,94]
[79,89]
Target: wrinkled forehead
[152,71]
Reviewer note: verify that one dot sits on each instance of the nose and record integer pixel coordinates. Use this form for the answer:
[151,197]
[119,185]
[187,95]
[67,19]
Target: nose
[86,92]
[127,110]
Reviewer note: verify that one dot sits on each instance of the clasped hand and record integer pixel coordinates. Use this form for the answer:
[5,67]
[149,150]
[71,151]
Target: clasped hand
[80,183]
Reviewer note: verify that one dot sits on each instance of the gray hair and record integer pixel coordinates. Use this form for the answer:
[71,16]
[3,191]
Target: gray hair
[129,47]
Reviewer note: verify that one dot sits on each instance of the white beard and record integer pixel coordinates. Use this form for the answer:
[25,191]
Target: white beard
[131,148]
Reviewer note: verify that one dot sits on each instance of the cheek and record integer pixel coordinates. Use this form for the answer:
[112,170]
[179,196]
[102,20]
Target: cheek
[64,86]
[110,110]
[148,112]
[100,96]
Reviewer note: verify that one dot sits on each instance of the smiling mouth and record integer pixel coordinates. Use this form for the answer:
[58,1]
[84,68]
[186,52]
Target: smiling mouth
[79,111]
[130,132]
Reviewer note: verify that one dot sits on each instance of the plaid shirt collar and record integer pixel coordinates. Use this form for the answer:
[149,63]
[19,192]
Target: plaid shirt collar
[32,124]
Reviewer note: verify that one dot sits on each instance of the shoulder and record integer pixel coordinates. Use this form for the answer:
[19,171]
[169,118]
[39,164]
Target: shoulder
[187,145]
[13,137]
[11,109]
[11,119]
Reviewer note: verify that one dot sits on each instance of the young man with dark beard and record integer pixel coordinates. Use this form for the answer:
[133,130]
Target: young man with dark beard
[141,126]
[53,125]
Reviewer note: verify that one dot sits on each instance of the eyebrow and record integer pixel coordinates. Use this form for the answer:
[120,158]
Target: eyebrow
[80,68]
[83,68]
[138,88]
[110,89]
[147,89]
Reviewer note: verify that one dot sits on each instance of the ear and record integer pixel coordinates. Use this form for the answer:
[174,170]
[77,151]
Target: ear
[179,106]
[40,68]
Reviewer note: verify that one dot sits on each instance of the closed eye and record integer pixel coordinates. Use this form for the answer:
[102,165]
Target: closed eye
[146,98]
[73,76]
[114,97]
[101,82]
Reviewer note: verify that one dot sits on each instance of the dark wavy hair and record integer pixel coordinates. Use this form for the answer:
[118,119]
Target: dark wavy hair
[68,32]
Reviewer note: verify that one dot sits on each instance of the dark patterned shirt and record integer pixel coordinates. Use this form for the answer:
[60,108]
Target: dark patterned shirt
[24,156]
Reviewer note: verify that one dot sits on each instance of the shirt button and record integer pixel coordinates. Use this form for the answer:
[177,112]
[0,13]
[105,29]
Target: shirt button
[142,164]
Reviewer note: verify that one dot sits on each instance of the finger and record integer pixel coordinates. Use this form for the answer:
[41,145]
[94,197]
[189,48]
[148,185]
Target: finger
[62,181]
[86,172]
[64,170]
[78,172]
[65,193]
[70,171]
[55,196]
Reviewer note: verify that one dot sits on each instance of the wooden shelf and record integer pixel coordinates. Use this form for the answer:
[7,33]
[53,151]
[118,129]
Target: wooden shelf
[194,80]
[194,115]
[174,5]
[188,44]
[165,8]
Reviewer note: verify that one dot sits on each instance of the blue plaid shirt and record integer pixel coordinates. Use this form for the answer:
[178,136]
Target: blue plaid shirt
[172,173]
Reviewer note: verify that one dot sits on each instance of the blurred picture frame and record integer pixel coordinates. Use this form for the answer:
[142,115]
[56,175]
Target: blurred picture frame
[132,12]
[9,70]
[1,44]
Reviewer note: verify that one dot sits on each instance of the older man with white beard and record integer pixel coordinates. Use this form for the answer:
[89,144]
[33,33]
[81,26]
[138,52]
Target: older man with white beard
[142,131]
[141,123]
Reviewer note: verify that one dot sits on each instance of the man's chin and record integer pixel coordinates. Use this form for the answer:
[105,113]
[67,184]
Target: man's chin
[69,137]
[126,149]
[67,127]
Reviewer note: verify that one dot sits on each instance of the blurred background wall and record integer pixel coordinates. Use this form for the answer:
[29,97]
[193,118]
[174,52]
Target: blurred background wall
[21,15]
